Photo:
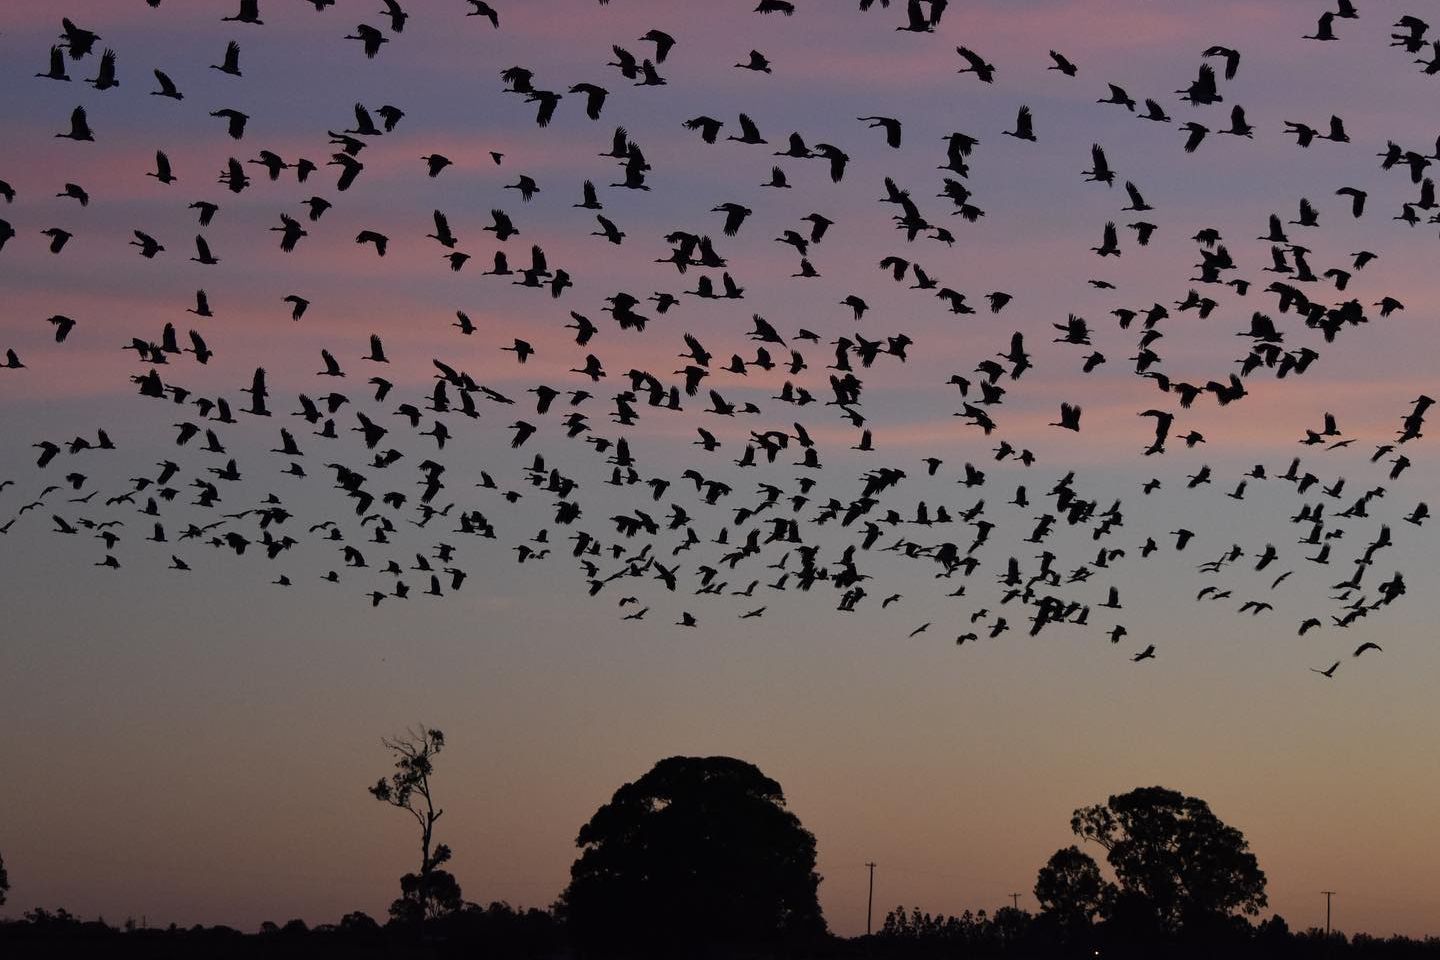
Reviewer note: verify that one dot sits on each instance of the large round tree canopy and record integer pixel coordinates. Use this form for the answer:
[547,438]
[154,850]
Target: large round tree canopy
[1173,857]
[698,850]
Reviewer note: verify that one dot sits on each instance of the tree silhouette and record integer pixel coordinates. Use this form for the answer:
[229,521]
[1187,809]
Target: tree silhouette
[1179,867]
[4,882]
[357,921]
[1071,890]
[700,850]
[432,892]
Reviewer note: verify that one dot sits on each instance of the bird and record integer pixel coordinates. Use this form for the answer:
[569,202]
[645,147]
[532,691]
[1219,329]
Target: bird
[1229,55]
[79,127]
[890,125]
[203,256]
[735,215]
[1109,245]
[757,62]
[1239,127]
[1099,167]
[58,238]
[148,245]
[1324,27]
[78,40]
[63,325]
[1119,97]
[1195,135]
[594,98]
[370,38]
[479,8]
[57,65]
[162,171]
[230,63]
[167,87]
[975,64]
[105,75]
[290,233]
[1060,62]
[777,179]
[379,240]
[663,41]
[526,186]
[249,12]
[442,233]
[434,163]
[1357,199]
[235,121]
[1024,126]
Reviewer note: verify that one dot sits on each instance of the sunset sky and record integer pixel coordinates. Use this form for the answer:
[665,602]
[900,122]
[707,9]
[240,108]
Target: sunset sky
[195,746]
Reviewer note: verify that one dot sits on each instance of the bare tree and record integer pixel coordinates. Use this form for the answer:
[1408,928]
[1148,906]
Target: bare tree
[431,892]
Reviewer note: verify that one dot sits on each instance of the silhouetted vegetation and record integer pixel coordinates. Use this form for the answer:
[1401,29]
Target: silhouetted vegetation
[701,858]
[913,935]
[698,850]
[1182,876]
[432,893]
[500,931]
[472,931]
[1178,867]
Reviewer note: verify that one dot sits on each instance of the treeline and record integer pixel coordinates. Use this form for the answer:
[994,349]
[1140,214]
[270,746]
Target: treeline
[914,935]
[501,931]
[498,930]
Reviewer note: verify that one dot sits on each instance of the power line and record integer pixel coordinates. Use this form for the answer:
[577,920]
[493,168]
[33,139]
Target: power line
[1015,899]
[1328,895]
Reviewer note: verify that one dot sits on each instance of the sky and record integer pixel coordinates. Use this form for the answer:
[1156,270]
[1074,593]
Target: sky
[195,745]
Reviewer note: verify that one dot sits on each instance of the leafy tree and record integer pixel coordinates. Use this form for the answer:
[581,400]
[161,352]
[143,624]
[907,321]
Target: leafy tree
[425,897]
[1071,890]
[357,921]
[937,932]
[1177,864]
[1010,926]
[61,918]
[700,850]
[431,892]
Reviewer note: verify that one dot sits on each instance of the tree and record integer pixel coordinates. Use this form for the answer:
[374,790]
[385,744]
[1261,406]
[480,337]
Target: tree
[1071,890]
[432,892]
[426,896]
[700,850]
[4,882]
[1010,926]
[358,922]
[1176,862]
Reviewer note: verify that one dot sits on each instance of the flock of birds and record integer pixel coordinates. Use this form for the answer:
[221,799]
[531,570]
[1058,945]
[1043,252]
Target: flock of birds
[708,542]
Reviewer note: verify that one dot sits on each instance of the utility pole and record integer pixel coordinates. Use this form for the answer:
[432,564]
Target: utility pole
[1015,899]
[870,900]
[1328,895]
